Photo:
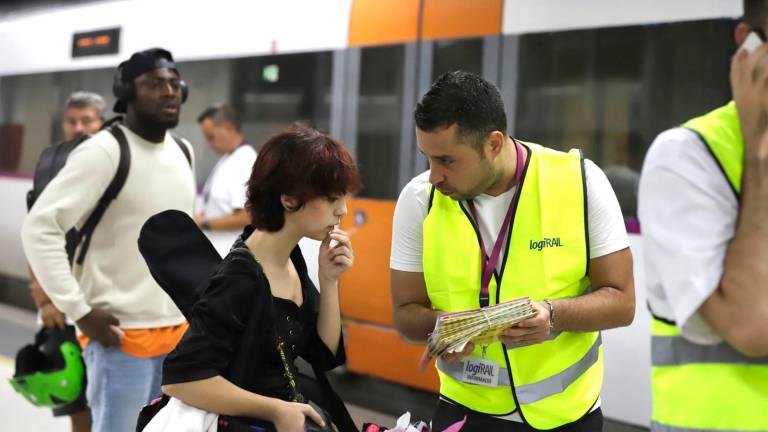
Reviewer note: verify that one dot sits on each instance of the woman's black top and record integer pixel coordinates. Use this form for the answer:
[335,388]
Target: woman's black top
[232,332]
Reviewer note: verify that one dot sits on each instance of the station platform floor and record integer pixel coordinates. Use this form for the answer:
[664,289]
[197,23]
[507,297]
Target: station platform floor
[17,327]
[367,399]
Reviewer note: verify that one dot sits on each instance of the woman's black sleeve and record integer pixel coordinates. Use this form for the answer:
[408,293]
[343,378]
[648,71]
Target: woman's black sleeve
[319,355]
[218,321]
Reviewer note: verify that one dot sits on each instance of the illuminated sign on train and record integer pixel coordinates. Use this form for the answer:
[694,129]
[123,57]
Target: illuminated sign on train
[98,42]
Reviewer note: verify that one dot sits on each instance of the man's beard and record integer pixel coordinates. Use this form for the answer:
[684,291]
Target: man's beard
[151,122]
[482,185]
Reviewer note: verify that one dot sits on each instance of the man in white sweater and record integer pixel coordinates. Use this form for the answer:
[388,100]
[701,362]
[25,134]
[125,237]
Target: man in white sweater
[128,323]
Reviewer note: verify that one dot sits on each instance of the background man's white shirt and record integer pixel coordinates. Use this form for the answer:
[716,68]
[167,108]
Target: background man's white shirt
[224,192]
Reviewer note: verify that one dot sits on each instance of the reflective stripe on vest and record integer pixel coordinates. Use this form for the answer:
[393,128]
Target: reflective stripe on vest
[456,369]
[540,390]
[656,427]
[552,383]
[677,351]
[705,387]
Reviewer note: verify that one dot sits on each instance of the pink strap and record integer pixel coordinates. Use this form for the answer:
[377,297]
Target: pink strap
[489,263]
[456,426]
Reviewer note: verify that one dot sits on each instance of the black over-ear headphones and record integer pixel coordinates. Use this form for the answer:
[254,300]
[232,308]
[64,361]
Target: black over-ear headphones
[125,90]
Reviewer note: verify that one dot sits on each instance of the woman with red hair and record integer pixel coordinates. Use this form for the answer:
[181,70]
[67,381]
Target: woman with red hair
[260,310]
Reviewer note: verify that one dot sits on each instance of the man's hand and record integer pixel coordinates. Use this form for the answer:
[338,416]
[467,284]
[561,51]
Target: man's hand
[749,86]
[531,331]
[199,218]
[51,316]
[97,326]
[458,356]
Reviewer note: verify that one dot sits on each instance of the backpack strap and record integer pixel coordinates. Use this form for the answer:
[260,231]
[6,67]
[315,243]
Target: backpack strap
[49,164]
[183,148]
[43,174]
[110,194]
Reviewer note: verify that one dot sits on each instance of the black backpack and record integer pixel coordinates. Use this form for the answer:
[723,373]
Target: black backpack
[53,159]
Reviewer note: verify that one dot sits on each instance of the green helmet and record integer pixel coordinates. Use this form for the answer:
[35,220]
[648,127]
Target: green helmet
[50,372]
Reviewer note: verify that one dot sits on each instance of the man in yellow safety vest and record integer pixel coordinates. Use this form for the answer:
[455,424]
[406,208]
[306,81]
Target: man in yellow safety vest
[494,219]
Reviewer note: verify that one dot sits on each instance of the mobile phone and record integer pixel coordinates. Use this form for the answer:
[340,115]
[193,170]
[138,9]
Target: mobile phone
[752,41]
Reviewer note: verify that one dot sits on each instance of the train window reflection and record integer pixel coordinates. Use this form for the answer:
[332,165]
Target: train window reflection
[610,91]
[271,92]
[379,119]
[457,54]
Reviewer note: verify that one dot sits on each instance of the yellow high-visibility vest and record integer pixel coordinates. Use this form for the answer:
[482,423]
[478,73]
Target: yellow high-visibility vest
[551,383]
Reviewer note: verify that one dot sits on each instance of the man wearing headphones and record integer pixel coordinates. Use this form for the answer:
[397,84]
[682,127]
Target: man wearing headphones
[127,322]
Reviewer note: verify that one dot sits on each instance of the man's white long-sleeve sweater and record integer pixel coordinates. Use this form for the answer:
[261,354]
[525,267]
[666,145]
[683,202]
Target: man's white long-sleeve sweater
[114,276]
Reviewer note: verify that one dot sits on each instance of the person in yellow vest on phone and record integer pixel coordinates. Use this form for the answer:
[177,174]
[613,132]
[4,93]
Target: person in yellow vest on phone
[704,215]
[496,218]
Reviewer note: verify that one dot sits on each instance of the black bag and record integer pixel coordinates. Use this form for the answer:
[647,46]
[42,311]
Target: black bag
[53,158]
[230,424]
[310,426]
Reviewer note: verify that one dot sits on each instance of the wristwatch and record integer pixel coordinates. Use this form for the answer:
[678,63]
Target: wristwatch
[551,314]
[205,225]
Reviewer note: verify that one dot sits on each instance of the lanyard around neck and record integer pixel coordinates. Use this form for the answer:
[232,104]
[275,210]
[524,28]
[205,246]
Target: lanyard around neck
[489,263]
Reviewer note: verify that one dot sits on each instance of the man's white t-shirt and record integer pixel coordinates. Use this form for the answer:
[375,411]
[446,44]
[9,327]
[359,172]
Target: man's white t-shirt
[224,192]
[688,214]
[607,233]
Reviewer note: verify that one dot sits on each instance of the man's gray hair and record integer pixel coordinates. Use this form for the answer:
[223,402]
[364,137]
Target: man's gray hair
[84,99]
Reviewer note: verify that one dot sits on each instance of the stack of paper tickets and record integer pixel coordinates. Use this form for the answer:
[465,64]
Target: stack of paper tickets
[479,326]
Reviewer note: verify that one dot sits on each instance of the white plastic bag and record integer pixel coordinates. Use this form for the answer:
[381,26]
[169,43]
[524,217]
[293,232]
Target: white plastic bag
[177,416]
[404,425]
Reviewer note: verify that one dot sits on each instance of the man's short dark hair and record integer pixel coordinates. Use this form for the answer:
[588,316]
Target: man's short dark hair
[755,13]
[465,99]
[221,113]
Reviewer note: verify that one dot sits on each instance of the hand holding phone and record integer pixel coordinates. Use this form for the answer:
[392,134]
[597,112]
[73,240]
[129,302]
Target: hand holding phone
[749,87]
[752,41]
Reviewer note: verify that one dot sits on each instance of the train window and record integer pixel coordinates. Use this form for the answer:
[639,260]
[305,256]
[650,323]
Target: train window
[610,91]
[31,112]
[379,119]
[271,92]
[26,118]
[457,54]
